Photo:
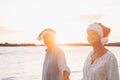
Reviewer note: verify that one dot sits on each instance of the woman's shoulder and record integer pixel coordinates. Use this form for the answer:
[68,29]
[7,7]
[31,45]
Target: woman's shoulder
[110,55]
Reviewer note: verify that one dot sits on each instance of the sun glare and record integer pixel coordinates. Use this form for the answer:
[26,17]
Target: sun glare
[28,18]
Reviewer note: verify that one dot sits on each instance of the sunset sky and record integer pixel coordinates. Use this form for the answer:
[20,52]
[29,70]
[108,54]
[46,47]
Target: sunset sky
[22,20]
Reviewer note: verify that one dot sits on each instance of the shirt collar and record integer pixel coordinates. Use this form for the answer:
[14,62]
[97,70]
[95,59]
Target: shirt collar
[50,48]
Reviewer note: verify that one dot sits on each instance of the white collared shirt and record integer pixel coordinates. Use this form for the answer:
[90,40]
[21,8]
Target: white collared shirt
[54,65]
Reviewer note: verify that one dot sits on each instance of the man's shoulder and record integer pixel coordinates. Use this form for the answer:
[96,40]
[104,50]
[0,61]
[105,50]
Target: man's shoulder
[58,49]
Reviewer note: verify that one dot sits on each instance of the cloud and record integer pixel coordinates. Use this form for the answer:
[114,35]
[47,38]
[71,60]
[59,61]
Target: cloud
[90,17]
[4,31]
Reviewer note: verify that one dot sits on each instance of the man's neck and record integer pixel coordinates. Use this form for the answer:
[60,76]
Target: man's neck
[50,47]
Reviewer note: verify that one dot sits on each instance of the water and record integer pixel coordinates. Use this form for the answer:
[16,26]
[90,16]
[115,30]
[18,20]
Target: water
[25,63]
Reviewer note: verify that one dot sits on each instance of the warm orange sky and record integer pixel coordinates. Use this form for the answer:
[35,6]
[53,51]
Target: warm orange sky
[22,20]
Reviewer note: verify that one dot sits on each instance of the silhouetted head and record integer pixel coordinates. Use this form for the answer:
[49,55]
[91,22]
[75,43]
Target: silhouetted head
[48,35]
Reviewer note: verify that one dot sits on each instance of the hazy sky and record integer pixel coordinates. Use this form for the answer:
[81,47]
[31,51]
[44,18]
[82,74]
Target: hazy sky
[22,20]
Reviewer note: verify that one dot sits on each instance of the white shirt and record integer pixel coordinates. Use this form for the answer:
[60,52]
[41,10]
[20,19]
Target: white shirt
[54,65]
[103,68]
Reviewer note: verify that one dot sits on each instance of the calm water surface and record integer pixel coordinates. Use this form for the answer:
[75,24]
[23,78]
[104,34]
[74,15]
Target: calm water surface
[25,63]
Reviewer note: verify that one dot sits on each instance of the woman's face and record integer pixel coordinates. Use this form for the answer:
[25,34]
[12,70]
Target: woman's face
[93,37]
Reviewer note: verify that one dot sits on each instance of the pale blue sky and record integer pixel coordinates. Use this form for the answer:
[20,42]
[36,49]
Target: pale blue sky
[22,20]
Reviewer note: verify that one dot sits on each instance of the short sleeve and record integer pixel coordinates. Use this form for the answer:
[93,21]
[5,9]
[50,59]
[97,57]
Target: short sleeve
[62,62]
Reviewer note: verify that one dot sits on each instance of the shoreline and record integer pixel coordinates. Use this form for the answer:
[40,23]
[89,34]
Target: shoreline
[66,44]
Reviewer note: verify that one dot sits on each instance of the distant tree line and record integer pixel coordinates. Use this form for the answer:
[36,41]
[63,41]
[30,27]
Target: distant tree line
[67,44]
[24,44]
[113,44]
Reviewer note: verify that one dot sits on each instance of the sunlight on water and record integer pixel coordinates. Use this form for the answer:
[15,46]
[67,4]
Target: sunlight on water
[25,63]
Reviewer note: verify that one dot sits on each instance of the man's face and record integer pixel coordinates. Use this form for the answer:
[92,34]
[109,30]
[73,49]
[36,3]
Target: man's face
[48,39]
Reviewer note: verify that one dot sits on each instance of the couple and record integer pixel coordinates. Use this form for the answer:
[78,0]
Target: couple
[101,64]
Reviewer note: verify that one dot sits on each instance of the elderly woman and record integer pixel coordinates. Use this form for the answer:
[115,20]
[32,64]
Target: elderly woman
[54,67]
[101,64]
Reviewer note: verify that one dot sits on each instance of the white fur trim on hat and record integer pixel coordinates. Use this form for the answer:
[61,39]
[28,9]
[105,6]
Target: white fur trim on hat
[104,40]
[48,32]
[40,37]
[96,28]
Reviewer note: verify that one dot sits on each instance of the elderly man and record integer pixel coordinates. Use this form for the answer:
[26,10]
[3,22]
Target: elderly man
[54,67]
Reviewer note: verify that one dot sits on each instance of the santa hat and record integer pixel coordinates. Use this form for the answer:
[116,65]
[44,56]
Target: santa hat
[102,30]
[48,31]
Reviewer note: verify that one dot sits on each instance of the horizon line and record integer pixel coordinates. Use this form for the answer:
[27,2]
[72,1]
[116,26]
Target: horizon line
[59,44]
